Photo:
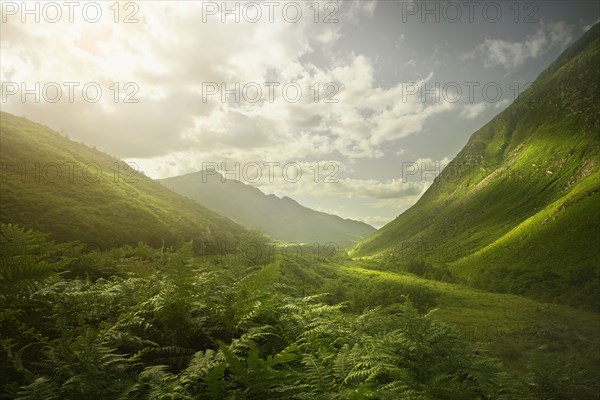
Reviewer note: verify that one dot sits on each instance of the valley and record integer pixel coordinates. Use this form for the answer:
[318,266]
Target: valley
[184,284]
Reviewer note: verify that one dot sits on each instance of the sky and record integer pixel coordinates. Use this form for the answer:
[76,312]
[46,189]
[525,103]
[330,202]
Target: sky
[348,107]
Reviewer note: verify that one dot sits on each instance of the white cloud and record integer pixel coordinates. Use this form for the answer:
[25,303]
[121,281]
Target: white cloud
[513,54]
[471,111]
[170,53]
[586,28]
[474,110]
[375,220]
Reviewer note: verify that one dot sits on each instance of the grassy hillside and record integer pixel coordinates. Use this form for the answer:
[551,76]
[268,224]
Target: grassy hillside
[280,218]
[517,210]
[74,192]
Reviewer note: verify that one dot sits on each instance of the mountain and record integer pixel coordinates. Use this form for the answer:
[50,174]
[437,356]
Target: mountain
[518,209]
[52,184]
[281,218]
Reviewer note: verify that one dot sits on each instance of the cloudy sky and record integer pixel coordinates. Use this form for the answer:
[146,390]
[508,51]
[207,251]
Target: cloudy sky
[335,102]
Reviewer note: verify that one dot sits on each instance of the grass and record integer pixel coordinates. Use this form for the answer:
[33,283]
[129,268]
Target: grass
[514,327]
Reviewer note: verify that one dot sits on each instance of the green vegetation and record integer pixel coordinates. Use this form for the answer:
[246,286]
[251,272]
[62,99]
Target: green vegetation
[117,288]
[281,218]
[74,192]
[517,210]
[141,323]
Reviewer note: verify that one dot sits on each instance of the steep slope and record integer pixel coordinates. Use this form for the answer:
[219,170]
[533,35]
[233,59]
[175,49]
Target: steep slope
[281,218]
[518,209]
[74,192]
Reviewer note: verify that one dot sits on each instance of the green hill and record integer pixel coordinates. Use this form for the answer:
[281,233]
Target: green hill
[52,184]
[518,209]
[281,218]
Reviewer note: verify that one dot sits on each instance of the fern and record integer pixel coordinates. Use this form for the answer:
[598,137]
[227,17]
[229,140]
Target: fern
[27,258]
[40,389]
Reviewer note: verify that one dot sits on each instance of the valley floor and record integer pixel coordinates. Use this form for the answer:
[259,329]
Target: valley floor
[513,326]
[142,323]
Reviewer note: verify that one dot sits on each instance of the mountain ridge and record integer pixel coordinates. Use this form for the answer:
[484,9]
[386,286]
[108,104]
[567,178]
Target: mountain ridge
[282,218]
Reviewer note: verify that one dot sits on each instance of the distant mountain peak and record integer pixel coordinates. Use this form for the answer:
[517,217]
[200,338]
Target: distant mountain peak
[281,218]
